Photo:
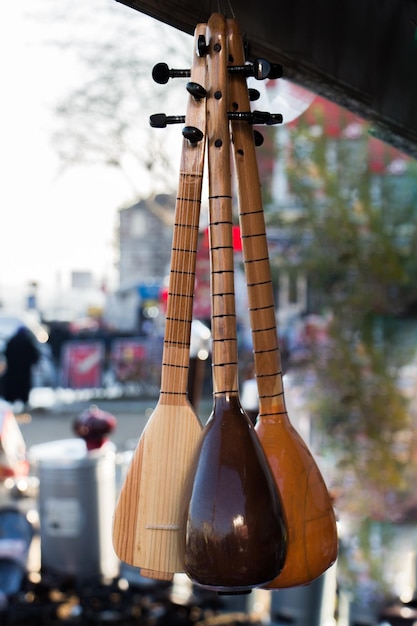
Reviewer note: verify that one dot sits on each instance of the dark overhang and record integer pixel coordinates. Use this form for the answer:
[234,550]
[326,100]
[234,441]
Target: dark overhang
[361,54]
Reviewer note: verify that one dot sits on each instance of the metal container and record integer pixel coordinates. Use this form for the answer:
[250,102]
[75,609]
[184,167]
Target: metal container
[77,492]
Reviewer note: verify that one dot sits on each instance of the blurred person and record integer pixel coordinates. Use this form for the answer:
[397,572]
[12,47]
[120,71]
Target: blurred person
[21,355]
[59,334]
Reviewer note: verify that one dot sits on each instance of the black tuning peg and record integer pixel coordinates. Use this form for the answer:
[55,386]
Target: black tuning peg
[196,90]
[253,94]
[160,120]
[258,138]
[261,117]
[193,134]
[264,69]
[201,46]
[256,117]
[161,73]
[259,69]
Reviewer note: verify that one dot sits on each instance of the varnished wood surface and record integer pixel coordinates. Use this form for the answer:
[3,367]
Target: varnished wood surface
[223,314]
[148,528]
[312,531]
[236,535]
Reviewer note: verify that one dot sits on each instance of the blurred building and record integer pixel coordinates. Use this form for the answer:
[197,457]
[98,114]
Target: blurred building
[144,243]
[145,237]
[145,228]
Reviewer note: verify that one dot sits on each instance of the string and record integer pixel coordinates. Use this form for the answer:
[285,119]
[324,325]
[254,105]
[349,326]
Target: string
[222,6]
[231,9]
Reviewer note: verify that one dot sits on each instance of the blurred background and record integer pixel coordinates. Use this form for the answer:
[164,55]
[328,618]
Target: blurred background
[88,191]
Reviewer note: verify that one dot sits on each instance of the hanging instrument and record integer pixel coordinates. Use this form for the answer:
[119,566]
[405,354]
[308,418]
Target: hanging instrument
[232,505]
[312,533]
[235,529]
[148,522]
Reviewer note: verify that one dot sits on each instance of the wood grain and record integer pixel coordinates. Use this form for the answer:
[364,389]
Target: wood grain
[236,535]
[312,531]
[148,524]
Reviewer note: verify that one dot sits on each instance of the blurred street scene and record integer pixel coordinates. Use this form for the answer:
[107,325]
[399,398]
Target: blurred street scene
[340,207]
[55,569]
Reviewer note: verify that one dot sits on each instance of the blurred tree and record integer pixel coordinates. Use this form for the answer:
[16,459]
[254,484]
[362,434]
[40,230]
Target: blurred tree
[104,119]
[355,236]
[355,233]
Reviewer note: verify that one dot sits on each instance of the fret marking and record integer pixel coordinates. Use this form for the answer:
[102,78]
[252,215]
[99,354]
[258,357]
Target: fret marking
[257,212]
[262,308]
[273,375]
[266,351]
[182,272]
[252,235]
[178,319]
[247,261]
[272,395]
[264,330]
[176,343]
[175,249]
[266,282]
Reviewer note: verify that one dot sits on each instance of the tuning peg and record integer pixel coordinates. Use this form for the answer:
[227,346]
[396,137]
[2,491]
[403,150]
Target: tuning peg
[256,117]
[264,69]
[259,69]
[201,46]
[193,134]
[253,94]
[275,118]
[241,116]
[258,138]
[196,90]
[160,120]
[161,73]
[262,117]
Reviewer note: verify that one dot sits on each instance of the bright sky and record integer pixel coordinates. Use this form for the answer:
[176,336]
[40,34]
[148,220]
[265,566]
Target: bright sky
[49,224]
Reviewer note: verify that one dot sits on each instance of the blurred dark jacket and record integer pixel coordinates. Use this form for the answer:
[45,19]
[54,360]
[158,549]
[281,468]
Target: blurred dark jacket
[21,354]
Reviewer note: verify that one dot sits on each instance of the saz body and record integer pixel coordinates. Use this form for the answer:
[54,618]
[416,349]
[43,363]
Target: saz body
[148,528]
[312,532]
[236,534]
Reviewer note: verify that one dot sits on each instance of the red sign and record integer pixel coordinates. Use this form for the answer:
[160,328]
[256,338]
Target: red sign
[202,303]
[82,364]
[128,357]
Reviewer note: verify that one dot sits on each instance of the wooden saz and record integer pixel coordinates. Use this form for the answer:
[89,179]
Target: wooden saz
[236,533]
[148,520]
[312,533]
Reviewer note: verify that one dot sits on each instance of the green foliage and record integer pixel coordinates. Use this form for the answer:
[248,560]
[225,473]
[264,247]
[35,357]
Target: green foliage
[356,237]
[104,118]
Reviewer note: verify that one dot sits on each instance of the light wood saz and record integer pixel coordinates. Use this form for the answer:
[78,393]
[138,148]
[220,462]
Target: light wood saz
[148,524]
[312,531]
